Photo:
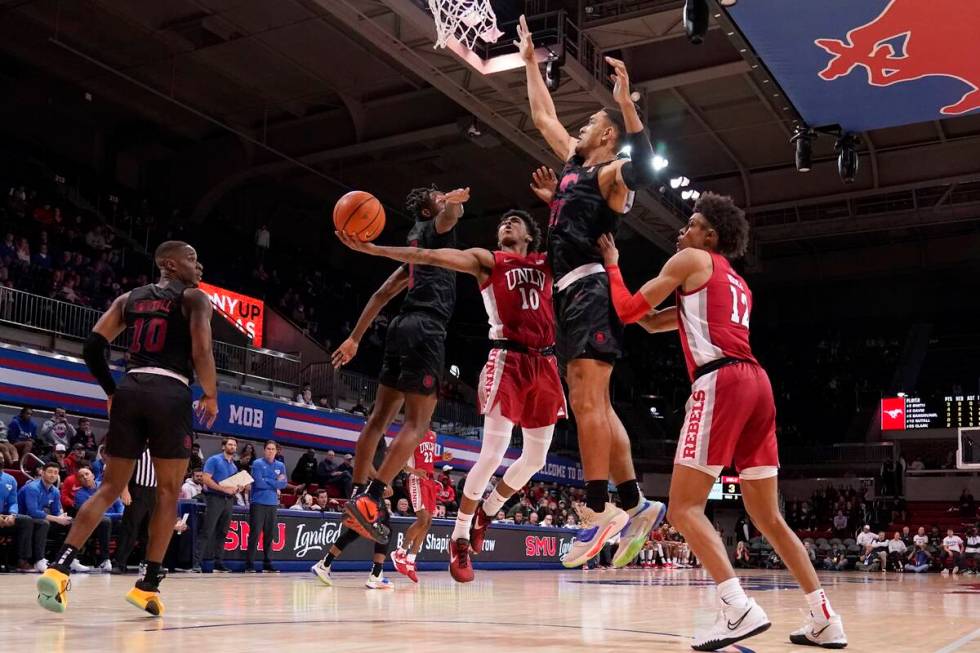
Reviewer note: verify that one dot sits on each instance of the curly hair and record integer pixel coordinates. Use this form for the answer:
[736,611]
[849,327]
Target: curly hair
[726,219]
[417,201]
[533,229]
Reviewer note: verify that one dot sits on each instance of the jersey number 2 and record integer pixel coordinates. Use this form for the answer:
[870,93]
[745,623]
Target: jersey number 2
[149,335]
[739,297]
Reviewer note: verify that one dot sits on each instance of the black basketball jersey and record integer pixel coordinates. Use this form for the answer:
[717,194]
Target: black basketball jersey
[430,289]
[161,334]
[579,215]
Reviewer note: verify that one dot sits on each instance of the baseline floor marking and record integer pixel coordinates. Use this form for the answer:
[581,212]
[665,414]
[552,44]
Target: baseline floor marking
[958,644]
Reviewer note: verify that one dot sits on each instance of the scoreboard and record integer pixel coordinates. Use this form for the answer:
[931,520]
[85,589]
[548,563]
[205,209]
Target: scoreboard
[941,412]
[726,488]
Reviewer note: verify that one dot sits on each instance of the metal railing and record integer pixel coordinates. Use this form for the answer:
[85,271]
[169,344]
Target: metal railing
[68,320]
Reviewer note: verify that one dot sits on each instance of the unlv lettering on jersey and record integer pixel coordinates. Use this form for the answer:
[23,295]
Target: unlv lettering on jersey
[524,277]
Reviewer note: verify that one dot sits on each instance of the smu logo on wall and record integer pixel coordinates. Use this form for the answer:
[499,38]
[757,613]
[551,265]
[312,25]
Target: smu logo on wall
[238,533]
[547,546]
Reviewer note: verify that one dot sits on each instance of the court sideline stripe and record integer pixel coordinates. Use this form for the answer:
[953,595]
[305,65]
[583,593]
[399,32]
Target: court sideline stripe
[966,639]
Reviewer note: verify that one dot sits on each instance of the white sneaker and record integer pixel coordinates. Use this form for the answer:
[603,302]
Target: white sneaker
[825,633]
[944,572]
[106,567]
[955,571]
[41,566]
[645,517]
[322,572]
[733,624]
[379,583]
[597,528]
[79,568]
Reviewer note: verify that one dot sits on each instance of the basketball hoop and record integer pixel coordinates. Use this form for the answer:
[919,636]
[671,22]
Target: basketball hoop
[464,20]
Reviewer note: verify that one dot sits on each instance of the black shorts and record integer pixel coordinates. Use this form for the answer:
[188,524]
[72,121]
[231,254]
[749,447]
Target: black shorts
[154,410]
[587,324]
[415,352]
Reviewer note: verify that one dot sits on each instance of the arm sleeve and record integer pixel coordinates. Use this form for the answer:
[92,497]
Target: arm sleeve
[638,172]
[94,353]
[629,308]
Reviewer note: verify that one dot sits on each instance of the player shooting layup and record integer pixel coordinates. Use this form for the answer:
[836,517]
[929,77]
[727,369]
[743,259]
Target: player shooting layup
[595,189]
[519,384]
[730,417]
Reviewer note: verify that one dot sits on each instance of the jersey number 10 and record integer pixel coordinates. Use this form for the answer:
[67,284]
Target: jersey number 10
[530,299]
[739,297]
[148,335]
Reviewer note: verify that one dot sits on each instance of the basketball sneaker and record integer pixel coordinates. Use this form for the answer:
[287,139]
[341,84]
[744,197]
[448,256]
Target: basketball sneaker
[828,633]
[597,528]
[148,601]
[460,565]
[379,583]
[322,572]
[52,590]
[733,624]
[644,517]
[478,531]
[362,514]
[403,566]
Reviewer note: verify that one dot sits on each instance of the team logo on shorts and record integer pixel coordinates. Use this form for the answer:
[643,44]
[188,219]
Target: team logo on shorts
[428,380]
[599,337]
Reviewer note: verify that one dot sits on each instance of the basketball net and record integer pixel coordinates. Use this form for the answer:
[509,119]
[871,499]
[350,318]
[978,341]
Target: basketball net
[464,20]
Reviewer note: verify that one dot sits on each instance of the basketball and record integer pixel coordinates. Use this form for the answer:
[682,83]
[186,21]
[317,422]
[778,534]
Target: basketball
[359,214]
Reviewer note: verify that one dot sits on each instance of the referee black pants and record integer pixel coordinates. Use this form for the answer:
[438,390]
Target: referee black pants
[217,516]
[261,521]
[135,519]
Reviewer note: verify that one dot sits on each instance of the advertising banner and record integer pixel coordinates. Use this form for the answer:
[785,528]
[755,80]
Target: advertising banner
[247,313]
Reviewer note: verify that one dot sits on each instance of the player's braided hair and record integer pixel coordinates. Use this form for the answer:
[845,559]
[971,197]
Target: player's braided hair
[533,230]
[418,200]
[726,219]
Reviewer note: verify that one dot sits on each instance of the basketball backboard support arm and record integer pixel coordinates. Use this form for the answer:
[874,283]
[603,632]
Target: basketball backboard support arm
[968,448]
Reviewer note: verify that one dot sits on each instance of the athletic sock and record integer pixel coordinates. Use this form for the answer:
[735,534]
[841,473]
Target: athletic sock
[629,494]
[377,490]
[376,569]
[493,504]
[596,495]
[411,557]
[819,605]
[462,529]
[150,579]
[63,560]
[731,592]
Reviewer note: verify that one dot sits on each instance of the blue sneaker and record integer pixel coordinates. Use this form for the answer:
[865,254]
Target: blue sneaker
[644,517]
[597,528]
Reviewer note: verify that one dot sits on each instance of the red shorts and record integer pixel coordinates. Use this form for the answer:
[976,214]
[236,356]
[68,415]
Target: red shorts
[730,418]
[526,387]
[422,493]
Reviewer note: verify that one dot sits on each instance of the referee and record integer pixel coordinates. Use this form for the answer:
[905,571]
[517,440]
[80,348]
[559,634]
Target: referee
[218,500]
[269,477]
[139,498]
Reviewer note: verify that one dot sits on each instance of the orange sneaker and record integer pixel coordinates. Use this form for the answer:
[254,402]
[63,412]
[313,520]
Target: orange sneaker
[362,514]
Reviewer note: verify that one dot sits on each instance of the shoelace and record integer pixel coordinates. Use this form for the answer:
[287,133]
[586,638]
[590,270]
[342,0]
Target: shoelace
[586,516]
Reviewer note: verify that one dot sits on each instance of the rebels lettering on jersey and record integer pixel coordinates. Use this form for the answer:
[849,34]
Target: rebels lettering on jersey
[713,320]
[517,296]
[160,333]
[425,454]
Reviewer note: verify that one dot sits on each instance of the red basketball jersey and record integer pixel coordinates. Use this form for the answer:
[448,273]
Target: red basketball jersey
[517,297]
[713,320]
[425,454]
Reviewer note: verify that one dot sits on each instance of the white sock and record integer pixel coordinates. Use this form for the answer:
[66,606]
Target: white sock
[411,557]
[400,551]
[493,503]
[819,605]
[462,529]
[731,593]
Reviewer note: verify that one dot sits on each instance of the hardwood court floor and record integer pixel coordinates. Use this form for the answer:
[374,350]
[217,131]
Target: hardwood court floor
[655,610]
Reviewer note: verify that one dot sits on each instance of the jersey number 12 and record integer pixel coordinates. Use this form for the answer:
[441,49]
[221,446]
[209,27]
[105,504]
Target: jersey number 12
[739,297]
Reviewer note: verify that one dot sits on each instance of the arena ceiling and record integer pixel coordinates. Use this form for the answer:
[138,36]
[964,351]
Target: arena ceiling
[327,94]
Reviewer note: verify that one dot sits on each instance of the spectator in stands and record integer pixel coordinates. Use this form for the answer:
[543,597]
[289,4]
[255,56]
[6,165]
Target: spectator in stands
[305,396]
[269,478]
[8,249]
[246,458]
[57,430]
[917,465]
[58,457]
[359,409]
[7,451]
[840,524]
[952,551]
[742,558]
[76,458]
[219,499]
[41,258]
[445,479]
[13,523]
[69,488]
[920,539]
[322,502]
[22,431]
[968,507]
[98,465]
[328,473]
[193,486]
[401,508]
[347,464]
[39,499]
[935,538]
[304,473]
[262,242]
[196,462]
[811,549]
[23,252]
[866,540]
[104,530]
[743,532]
[85,436]
[879,553]
[447,497]
[897,552]
[971,554]
[918,561]
[907,537]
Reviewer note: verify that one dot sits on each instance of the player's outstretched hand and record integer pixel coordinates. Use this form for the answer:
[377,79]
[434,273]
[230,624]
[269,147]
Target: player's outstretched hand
[344,353]
[458,196]
[207,410]
[621,81]
[607,246]
[544,183]
[524,43]
[354,243]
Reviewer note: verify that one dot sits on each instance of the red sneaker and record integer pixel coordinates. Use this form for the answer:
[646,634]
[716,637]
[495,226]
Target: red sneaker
[460,565]
[410,571]
[400,561]
[481,522]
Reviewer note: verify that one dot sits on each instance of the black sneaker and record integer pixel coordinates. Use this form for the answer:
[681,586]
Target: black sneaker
[221,569]
[269,569]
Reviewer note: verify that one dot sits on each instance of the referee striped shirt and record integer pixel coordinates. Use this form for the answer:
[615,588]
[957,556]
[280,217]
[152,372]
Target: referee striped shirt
[145,475]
